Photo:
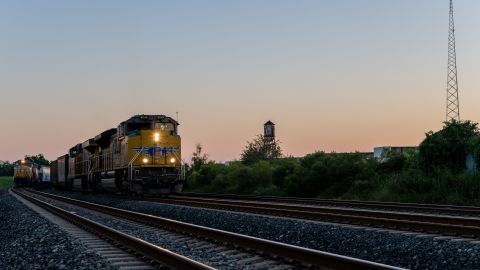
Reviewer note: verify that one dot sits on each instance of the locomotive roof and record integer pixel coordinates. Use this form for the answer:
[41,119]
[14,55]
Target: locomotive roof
[26,162]
[63,157]
[144,117]
[106,134]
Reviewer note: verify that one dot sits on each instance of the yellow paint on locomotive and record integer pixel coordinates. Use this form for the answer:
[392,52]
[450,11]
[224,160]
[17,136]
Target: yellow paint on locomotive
[22,172]
[162,150]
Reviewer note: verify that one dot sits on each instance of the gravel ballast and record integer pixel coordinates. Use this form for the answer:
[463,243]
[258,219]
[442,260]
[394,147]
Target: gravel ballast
[397,249]
[164,239]
[28,241]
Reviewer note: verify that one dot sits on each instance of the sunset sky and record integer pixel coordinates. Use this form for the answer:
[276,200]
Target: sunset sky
[339,75]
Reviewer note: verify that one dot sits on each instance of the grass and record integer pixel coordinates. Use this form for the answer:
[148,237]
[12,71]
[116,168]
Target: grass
[6,182]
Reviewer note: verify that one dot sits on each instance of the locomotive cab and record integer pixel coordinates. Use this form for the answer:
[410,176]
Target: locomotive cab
[155,165]
[23,173]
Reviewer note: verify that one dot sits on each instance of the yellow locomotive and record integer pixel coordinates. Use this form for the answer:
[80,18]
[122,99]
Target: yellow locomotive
[141,156]
[28,173]
[23,173]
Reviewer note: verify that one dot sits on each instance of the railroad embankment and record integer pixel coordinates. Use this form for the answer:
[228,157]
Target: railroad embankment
[28,241]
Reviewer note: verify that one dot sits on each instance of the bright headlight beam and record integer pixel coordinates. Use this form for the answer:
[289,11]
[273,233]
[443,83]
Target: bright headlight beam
[145,160]
[172,160]
[156,136]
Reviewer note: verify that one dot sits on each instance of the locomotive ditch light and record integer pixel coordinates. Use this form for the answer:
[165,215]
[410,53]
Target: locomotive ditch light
[172,160]
[22,161]
[145,160]
[156,136]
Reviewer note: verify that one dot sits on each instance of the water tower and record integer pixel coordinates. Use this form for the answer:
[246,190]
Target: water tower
[269,132]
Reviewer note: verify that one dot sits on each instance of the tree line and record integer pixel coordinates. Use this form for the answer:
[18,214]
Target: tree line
[436,173]
[6,168]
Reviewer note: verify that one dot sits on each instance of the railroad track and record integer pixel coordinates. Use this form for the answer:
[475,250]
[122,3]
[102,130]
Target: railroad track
[111,253]
[153,254]
[468,227]
[254,252]
[375,205]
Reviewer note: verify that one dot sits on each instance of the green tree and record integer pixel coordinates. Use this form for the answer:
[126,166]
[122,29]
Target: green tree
[282,169]
[241,179]
[394,162]
[38,159]
[198,157]
[6,168]
[259,149]
[448,147]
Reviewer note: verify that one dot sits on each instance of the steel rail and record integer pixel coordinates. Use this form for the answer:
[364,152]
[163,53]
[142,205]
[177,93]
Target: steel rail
[319,259]
[394,206]
[454,220]
[159,255]
[467,231]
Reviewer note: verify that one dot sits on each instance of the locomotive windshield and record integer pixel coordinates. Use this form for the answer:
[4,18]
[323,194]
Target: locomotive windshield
[138,126]
[164,126]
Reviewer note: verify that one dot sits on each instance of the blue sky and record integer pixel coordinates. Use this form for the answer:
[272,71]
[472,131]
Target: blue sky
[340,75]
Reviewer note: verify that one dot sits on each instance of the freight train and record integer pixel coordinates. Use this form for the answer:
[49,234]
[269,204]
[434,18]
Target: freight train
[27,173]
[141,156]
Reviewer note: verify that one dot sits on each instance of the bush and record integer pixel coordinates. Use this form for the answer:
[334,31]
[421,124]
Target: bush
[448,147]
[6,168]
[433,175]
[259,149]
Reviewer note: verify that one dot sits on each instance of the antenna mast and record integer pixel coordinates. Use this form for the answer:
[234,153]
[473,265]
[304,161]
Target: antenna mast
[453,106]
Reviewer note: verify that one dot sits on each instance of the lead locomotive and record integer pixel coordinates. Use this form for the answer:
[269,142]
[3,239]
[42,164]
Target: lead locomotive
[141,156]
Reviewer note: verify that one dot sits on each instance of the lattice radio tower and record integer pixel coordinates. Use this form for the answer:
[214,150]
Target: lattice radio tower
[453,106]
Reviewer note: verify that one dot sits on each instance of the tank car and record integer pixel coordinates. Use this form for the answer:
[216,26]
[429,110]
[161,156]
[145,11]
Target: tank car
[141,156]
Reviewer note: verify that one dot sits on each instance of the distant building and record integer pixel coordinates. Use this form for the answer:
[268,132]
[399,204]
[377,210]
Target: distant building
[230,162]
[381,152]
[470,163]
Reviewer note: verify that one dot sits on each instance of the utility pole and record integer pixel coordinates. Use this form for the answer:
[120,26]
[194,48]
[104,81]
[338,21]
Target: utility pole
[453,105]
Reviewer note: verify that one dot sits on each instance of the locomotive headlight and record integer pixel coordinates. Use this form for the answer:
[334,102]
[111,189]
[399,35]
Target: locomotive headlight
[23,161]
[172,160]
[145,160]
[156,136]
